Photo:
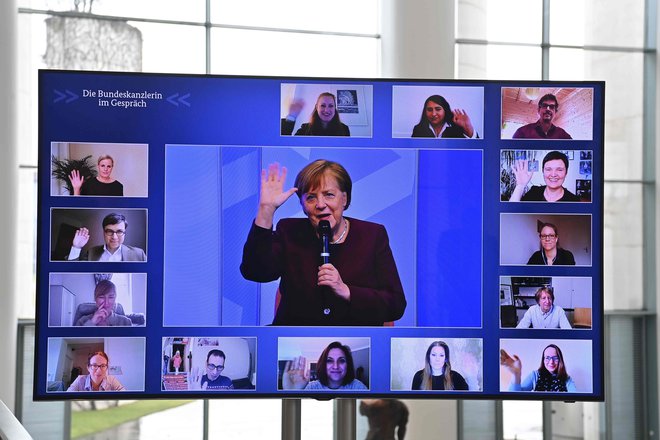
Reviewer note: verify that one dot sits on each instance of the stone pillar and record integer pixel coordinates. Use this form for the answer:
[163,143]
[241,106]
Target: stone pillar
[8,198]
[417,39]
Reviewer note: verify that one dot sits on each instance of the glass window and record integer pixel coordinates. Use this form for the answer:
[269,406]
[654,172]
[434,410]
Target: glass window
[193,10]
[245,418]
[623,246]
[477,61]
[425,419]
[522,420]
[568,419]
[182,49]
[135,420]
[568,64]
[478,419]
[32,47]
[513,21]
[26,255]
[335,16]
[591,23]
[42,420]
[626,381]
[317,419]
[172,48]
[278,53]
[623,72]
[604,24]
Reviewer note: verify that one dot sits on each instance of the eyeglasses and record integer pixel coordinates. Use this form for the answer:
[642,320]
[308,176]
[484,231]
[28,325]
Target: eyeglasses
[110,232]
[548,236]
[548,106]
[215,367]
[552,358]
[96,367]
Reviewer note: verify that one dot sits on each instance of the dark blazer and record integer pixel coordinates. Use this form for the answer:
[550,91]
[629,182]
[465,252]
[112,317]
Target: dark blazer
[423,130]
[364,261]
[128,253]
[286,128]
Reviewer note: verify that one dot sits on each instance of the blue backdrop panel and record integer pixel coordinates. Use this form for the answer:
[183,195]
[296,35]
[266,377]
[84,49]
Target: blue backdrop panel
[240,195]
[192,234]
[449,219]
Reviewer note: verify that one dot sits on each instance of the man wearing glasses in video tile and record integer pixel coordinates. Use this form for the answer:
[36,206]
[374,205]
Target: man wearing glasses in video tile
[212,380]
[543,128]
[114,249]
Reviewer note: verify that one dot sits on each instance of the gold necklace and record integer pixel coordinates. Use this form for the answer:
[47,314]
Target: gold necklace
[343,232]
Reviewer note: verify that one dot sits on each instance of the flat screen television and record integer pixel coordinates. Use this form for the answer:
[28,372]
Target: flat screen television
[183,249]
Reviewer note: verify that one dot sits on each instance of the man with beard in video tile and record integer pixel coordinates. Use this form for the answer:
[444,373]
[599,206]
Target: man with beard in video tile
[543,128]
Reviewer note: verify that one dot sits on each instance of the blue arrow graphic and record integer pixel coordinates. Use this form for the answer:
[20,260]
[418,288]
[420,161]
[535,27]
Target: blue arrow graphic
[183,101]
[60,96]
[68,95]
[72,96]
[175,99]
[172,99]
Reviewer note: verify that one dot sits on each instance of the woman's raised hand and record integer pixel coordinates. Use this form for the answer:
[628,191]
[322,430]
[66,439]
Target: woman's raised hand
[295,376]
[513,364]
[272,194]
[523,176]
[522,173]
[76,181]
[462,119]
[295,108]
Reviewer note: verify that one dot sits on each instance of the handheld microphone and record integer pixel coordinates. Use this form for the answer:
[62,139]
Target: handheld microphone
[324,233]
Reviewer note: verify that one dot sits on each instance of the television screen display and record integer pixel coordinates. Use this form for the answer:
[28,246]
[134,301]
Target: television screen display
[225,236]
